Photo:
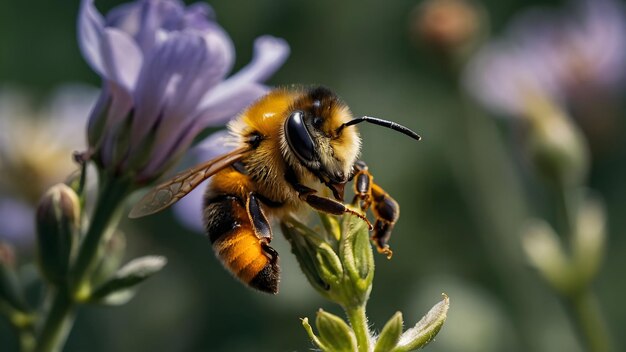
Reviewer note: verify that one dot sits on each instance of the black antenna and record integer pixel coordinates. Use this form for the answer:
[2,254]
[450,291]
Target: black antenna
[380,122]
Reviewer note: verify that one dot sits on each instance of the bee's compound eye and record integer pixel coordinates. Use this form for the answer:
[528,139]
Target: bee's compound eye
[299,138]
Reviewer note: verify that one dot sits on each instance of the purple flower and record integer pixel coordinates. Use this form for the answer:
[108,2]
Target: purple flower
[551,55]
[36,152]
[164,70]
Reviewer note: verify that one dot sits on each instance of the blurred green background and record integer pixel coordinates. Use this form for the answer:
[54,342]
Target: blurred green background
[449,238]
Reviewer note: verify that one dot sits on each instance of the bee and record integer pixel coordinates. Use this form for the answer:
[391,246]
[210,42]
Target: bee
[294,147]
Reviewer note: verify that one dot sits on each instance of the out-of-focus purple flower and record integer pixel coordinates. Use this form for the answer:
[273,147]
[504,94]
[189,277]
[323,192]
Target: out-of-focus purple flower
[551,55]
[36,152]
[164,70]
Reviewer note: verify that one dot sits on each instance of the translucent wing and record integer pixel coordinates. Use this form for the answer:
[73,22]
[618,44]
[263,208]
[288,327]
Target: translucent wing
[169,192]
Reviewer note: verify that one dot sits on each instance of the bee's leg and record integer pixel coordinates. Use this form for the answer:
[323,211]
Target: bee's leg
[326,205]
[322,204]
[362,185]
[260,225]
[385,209]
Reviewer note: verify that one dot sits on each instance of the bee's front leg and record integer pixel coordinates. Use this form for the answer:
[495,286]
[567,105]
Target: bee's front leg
[386,210]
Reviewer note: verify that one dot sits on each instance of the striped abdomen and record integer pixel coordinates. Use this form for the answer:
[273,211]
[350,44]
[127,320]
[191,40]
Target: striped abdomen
[236,245]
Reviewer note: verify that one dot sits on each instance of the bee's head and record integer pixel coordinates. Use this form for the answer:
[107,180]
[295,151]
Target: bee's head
[316,134]
[311,132]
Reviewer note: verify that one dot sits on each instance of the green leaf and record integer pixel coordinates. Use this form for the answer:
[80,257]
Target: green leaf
[335,334]
[426,329]
[312,336]
[120,289]
[390,335]
[114,248]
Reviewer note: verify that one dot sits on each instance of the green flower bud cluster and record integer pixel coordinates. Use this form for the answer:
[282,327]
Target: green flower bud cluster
[340,268]
[338,261]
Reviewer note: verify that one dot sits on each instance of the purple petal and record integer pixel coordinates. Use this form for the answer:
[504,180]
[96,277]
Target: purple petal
[188,70]
[143,19]
[125,17]
[218,143]
[170,87]
[121,58]
[118,110]
[269,54]
[198,15]
[90,27]
[230,99]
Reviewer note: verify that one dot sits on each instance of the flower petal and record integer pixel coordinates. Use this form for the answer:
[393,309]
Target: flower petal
[194,70]
[121,58]
[90,28]
[169,87]
[231,99]
[269,54]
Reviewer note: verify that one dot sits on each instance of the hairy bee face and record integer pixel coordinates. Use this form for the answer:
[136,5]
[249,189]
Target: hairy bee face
[312,136]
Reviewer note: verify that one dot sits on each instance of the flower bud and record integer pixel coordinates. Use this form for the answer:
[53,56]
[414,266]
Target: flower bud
[357,256]
[556,146]
[58,223]
[589,240]
[335,334]
[390,335]
[544,251]
[317,259]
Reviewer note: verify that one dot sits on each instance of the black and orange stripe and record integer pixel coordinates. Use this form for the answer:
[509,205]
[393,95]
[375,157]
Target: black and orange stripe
[236,245]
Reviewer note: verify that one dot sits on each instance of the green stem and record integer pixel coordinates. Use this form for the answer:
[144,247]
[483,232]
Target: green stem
[107,211]
[581,304]
[60,318]
[566,214]
[589,322]
[58,322]
[358,321]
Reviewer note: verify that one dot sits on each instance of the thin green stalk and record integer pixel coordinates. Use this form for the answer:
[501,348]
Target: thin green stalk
[358,322]
[589,321]
[581,303]
[27,340]
[60,317]
[107,211]
[58,322]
